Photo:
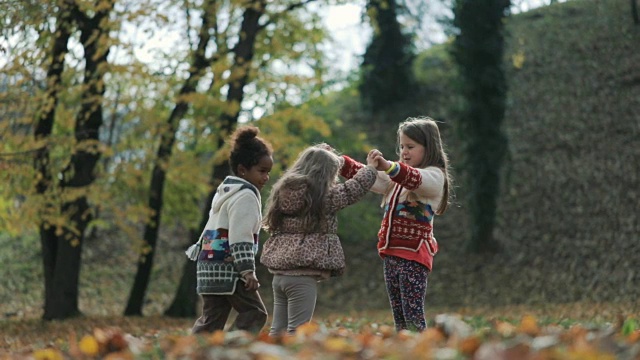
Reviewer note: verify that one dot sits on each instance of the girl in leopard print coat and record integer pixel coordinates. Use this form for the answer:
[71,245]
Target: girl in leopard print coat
[301,217]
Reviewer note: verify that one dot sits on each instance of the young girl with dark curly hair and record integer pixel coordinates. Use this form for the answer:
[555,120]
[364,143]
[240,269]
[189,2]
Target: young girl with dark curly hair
[229,243]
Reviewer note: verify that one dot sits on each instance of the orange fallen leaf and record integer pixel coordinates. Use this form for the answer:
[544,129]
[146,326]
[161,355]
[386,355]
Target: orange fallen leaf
[367,339]
[470,345]
[307,329]
[109,340]
[184,345]
[634,337]
[432,335]
[529,325]
[582,345]
[217,338]
[265,338]
[74,350]
[117,342]
[404,335]
[423,348]
[386,331]
[523,351]
[574,335]
[504,328]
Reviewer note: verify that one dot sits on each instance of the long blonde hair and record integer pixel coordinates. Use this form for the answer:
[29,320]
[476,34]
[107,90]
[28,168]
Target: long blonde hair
[317,169]
[424,131]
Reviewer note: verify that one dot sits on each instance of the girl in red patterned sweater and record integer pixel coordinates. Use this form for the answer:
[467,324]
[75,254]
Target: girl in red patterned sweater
[414,189]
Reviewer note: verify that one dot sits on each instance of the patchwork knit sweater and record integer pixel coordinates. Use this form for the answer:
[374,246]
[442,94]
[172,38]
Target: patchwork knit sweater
[410,199]
[230,233]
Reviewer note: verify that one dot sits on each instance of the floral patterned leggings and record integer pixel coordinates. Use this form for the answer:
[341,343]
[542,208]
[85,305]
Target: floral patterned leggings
[407,286]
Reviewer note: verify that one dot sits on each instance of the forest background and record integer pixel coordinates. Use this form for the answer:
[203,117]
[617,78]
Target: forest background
[95,142]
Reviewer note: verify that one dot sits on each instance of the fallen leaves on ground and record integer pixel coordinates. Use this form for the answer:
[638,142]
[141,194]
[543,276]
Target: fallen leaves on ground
[450,337]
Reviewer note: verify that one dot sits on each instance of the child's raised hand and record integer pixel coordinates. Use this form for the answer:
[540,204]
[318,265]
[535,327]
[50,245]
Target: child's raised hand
[380,163]
[375,159]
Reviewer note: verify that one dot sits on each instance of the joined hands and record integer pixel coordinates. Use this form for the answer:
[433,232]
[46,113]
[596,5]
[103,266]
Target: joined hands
[375,159]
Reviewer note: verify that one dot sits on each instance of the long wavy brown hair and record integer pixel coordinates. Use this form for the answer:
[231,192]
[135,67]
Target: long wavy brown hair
[424,131]
[317,169]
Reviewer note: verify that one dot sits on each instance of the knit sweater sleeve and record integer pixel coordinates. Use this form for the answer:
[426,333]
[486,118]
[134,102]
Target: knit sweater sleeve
[351,167]
[352,190]
[244,222]
[427,182]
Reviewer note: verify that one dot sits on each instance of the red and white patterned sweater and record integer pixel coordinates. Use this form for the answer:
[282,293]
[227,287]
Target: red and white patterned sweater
[407,227]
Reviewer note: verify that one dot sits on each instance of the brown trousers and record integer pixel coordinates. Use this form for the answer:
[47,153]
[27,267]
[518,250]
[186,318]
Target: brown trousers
[252,314]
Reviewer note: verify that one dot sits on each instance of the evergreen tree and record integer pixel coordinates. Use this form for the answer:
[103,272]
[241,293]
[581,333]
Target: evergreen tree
[387,65]
[478,51]
[387,85]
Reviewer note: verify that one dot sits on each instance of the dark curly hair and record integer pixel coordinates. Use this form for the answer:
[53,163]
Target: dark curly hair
[247,148]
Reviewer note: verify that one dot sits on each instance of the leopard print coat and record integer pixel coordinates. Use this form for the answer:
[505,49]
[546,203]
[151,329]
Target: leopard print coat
[290,250]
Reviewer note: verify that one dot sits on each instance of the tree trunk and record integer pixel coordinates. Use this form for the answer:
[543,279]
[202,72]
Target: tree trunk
[634,11]
[42,133]
[61,302]
[158,177]
[199,65]
[62,247]
[185,299]
[244,52]
[49,244]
